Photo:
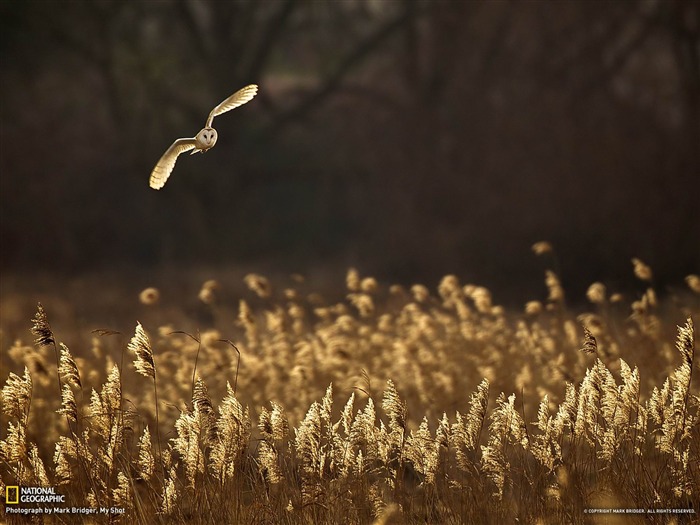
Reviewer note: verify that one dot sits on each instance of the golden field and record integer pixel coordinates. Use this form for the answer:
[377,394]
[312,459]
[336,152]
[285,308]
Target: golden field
[393,405]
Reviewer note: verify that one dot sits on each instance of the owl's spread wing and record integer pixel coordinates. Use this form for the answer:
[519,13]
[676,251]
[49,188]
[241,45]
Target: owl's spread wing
[239,98]
[165,165]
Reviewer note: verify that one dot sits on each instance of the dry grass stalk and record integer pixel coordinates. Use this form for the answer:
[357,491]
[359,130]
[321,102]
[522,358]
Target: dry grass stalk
[68,369]
[140,345]
[146,462]
[41,328]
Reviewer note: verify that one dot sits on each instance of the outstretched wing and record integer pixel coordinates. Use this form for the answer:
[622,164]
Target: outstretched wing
[239,98]
[165,165]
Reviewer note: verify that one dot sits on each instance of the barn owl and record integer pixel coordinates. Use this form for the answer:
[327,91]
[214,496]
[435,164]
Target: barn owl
[203,141]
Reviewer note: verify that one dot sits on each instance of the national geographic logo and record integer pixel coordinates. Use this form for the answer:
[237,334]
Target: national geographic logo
[15,495]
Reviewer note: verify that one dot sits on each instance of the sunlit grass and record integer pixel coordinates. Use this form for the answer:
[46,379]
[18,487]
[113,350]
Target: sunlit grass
[398,403]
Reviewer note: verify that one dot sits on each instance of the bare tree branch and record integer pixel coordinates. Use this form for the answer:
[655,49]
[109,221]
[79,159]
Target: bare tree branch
[198,36]
[269,38]
[329,85]
[618,61]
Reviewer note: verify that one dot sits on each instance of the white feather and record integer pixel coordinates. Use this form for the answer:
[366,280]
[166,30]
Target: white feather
[164,168]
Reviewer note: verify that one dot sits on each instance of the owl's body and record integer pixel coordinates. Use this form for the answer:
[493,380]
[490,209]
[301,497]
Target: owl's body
[203,141]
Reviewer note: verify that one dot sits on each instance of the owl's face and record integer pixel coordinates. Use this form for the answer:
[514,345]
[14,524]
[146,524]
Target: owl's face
[206,138]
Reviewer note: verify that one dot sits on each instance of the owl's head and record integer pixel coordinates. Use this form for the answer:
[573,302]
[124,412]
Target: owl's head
[206,138]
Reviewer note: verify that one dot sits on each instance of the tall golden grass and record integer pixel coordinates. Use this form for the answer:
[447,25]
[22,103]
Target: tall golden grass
[393,406]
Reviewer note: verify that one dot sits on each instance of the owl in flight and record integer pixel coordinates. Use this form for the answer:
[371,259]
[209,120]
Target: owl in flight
[203,141]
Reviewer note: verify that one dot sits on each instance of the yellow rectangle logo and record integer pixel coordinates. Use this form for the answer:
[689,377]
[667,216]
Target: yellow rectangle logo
[12,494]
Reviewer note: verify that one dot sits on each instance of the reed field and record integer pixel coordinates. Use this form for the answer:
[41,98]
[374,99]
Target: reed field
[396,404]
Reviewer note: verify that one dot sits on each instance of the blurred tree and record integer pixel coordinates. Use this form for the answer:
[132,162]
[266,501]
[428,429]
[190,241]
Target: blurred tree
[419,136]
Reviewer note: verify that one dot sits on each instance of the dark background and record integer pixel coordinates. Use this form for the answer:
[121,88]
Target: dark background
[408,138]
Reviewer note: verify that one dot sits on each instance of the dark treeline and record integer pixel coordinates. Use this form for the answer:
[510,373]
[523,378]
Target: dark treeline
[408,137]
